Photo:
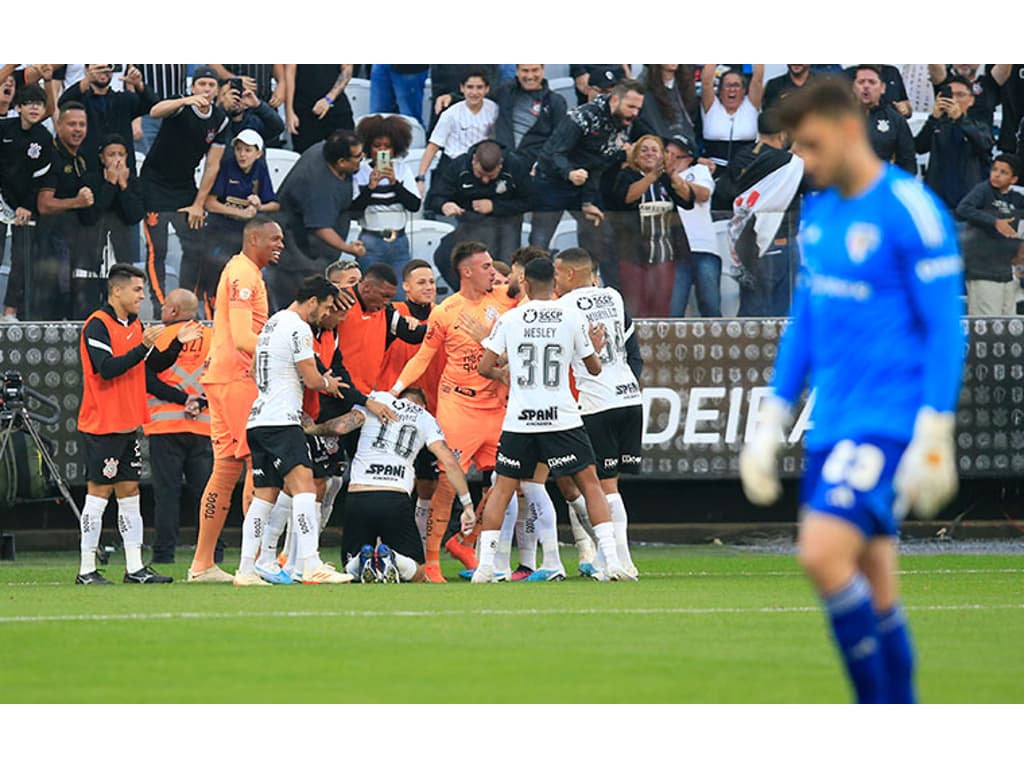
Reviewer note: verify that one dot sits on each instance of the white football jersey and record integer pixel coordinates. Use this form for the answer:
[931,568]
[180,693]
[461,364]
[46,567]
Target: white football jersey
[542,340]
[615,386]
[285,340]
[386,452]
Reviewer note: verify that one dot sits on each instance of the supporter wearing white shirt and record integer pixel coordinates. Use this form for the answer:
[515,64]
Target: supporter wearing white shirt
[730,118]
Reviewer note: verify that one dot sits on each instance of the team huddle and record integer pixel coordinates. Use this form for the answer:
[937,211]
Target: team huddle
[343,389]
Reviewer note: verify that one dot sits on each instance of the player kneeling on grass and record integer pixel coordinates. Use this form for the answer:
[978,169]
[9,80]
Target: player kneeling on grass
[380,525]
[542,422]
[876,330]
[284,363]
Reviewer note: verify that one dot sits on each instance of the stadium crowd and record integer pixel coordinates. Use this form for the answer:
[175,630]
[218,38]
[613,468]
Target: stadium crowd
[672,175]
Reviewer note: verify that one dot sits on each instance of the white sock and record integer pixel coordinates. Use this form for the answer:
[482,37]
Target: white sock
[422,515]
[306,530]
[547,524]
[90,525]
[406,567]
[579,521]
[526,534]
[488,548]
[502,557]
[292,563]
[317,511]
[619,522]
[334,485]
[252,533]
[129,522]
[605,533]
[276,523]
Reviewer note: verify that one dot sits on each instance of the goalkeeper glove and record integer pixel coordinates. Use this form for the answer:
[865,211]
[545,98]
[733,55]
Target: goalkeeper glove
[926,477]
[758,471]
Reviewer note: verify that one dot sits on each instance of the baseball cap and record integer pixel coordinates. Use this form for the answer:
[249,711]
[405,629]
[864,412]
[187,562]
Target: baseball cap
[250,137]
[205,71]
[680,141]
[603,77]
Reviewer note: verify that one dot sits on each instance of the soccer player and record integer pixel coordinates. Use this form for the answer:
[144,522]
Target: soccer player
[611,404]
[284,364]
[379,504]
[113,349]
[876,335]
[542,424]
[470,407]
[230,390]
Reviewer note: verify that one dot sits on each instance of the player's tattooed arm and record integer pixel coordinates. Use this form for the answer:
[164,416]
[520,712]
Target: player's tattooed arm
[341,425]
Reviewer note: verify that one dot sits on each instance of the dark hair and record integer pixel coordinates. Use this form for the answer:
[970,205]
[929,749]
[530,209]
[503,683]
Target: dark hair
[394,127]
[316,287]
[684,86]
[466,250]
[502,268]
[415,392]
[338,146]
[258,221]
[475,73]
[70,105]
[488,154]
[540,271]
[960,79]
[826,96]
[119,274]
[381,272]
[1011,160]
[528,253]
[414,264]
[30,94]
[768,123]
[876,68]
[739,73]
[576,256]
[113,138]
[623,87]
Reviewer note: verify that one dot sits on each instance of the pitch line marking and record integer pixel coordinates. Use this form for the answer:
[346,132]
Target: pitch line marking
[479,612]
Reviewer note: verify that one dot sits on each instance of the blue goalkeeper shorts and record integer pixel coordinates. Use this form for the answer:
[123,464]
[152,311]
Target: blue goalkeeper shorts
[853,480]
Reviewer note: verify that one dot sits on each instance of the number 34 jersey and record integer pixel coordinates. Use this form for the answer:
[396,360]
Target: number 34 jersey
[615,386]
[541,339]
[386,452]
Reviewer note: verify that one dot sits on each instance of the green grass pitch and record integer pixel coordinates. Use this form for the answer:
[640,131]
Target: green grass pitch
[702,625]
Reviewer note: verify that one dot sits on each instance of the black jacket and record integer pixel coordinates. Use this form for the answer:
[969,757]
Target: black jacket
[587,137]
[890,136]
[111,113]
[987,254]
[961,152]
[551,111]
[510,192]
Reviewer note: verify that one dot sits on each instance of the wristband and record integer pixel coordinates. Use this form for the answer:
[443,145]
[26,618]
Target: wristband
[466,501]
[420,178]
[396,390]
[329,100]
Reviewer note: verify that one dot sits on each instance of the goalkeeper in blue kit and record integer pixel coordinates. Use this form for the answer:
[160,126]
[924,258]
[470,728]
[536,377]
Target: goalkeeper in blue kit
[876,332]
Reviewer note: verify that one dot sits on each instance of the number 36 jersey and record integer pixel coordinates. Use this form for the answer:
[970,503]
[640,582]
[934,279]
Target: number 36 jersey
[541,339]
[615,386]
[386,452]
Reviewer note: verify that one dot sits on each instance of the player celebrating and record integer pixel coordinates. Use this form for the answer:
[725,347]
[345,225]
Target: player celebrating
[284,364]
[230,389]
[876,330]
[542,424]
[470,407]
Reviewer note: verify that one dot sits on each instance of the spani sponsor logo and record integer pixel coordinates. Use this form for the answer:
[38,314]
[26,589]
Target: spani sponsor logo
[539,414]
[386,470]
[627,389]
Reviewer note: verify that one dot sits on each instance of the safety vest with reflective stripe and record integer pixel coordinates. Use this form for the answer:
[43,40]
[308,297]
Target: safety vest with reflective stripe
[169,418]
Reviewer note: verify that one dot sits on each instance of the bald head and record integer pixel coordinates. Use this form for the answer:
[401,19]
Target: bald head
[181,304]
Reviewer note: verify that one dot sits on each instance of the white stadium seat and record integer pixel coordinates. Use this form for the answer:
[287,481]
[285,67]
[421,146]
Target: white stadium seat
[280,162]
[358,93]
[565,86]
[424,237]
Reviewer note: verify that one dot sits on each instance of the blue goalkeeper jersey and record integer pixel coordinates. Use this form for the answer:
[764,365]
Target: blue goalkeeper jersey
[876,325]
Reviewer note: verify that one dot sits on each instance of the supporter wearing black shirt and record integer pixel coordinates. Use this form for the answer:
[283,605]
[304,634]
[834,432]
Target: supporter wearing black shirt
[888,131]
[193,127]
[589,79]
[776,89]
[315,102]
[984,87]
[528,112]
[118,200]
[671,107]
[246,111]
[1011,79]
[110,111]
[257,78]
[895,92]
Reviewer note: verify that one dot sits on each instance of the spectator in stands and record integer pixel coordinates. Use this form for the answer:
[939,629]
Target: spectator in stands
[698,265]
[590,139]
[399,88]
[776,89]
[193,127]
[7,97]
[650,237]
[894,92]
[888,130]
[110,111]
[487,191]
[26,152]
[960,146]
[729,120]
[993,212]
[670,102]
[461,126]
[528,112]
[316,204]
[315,102]
[983,85]
[387,191]
[265,80]
[445,80]
[1010,78]
[165,81]
[247,112]
[242,189]
[592,80]
[118,201]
